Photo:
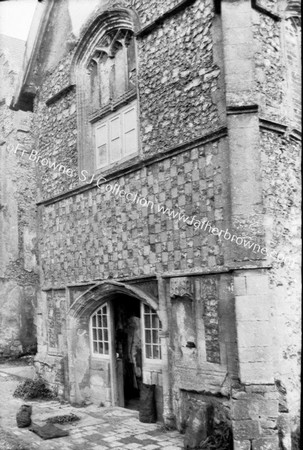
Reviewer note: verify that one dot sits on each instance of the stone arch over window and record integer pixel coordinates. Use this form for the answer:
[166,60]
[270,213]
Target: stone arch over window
[104,71]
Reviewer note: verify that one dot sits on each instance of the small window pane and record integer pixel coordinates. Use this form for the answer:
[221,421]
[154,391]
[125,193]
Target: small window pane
[100,335]
[120,73]
[105,69]
[148,336]
[155,337]
[155,321]
[156,354]
[95,90]
[100,332]
[105,335]
[131,59]
[148,351]
[147,321]
[152,326]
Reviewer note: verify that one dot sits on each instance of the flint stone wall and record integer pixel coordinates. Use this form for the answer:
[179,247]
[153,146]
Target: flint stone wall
[18,243]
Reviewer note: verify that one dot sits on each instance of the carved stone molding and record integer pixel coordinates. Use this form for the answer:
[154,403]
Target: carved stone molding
[181,288]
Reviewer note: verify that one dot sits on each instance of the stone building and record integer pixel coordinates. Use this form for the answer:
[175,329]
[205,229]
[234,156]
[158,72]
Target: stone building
[166,144]
[18,242]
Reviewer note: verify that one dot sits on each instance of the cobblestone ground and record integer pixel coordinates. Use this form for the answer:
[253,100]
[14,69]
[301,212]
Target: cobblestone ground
[98,428]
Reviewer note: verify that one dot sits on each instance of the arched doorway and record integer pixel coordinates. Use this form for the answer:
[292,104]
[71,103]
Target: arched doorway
[115,345]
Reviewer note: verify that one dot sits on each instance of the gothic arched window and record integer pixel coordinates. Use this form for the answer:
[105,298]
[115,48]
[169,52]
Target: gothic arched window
[104,67]
[112,70]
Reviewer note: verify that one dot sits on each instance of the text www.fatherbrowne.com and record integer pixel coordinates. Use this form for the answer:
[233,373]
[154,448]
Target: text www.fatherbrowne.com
[180,216]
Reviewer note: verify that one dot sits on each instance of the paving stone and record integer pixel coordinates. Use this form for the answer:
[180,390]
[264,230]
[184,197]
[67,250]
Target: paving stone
[113,429]
[133,446]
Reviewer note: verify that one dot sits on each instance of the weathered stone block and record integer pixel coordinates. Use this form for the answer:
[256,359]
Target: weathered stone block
[253,333]
[263,408]
[240,286]
[257,285]
[254,354]
[252,307]
[261,389]
[246,429]
[242,445]
[199,426]
[266,443]
[239,394]
[181,288]
[256,372]
[240,410]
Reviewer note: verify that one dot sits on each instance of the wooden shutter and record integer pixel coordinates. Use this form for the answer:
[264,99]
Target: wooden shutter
[115,139]
[130,131]
[101,138]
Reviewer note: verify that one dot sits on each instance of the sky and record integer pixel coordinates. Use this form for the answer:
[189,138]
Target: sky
[16,17]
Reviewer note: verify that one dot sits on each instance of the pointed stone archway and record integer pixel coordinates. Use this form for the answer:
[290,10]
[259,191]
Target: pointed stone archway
[105,291]
[95,380]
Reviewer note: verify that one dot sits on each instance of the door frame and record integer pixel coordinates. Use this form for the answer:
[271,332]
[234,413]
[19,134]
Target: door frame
[78,316]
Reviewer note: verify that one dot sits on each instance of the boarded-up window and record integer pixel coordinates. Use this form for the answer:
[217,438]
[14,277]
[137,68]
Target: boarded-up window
[116,136]
[101,136]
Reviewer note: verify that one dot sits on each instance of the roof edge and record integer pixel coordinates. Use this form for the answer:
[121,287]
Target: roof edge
[26,88]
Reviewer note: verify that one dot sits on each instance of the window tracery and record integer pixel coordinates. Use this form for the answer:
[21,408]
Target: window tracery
[112,67]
